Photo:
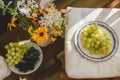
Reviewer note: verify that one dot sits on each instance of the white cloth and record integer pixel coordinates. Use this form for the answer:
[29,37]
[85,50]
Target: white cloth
[76,65]
[4,70]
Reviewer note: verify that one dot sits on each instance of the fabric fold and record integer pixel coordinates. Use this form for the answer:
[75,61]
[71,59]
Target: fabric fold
[78,66]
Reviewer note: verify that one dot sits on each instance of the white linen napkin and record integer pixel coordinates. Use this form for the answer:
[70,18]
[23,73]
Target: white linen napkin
[76,65]
[4,70]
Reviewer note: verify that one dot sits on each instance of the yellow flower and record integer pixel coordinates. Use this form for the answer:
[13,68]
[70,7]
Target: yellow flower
[52,39]
[30,30]
[22,79]
[12,23]
[40,35]
[49,9]
[13,19]
[57,24]
[57,33]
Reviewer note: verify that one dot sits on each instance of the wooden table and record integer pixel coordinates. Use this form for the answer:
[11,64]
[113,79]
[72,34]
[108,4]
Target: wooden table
[49,53]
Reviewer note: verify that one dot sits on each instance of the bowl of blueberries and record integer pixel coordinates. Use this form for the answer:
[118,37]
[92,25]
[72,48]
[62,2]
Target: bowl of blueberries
[27,62]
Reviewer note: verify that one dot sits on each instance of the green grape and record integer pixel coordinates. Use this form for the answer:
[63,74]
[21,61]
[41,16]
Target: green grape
[16,44]
[86,29]
[96,36]
[87,45]
[25,45]
[9,50]
[92,44]
[96,46]
[96,52]
[14,57]
[18,59]
[24,51]
[104,43]
[16,62]
[104,34]
[10,57]
[89,40]
[17,48]
[21,56]
[11,44]
[7,60]
[96,40]
[10,63]
[18,54]
[13,49]
[85,34]
[84,38]
[93,28]
[107,50]
[7,55]
[92,51]
[6,46]
[15,52]
[103,48]
[108,46]
[92,35]
[97,31]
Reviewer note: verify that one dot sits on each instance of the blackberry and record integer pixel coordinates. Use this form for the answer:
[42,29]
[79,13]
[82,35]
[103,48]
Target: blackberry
[31,57]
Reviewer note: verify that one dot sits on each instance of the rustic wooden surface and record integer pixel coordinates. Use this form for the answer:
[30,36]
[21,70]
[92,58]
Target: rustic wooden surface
[63,76]
[83,3]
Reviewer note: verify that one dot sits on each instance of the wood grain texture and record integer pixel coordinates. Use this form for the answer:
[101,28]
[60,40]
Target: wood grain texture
[63,76]
[81,3]
[113,4]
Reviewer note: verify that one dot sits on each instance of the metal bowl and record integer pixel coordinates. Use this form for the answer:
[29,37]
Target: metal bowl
[88,55]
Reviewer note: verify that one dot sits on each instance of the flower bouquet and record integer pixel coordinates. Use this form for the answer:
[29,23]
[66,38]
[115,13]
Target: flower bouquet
[44,24]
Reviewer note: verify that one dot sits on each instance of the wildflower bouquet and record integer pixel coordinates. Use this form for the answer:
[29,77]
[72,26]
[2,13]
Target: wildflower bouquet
[42,23]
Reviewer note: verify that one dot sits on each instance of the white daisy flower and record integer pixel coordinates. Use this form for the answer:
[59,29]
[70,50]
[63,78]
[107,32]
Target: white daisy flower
[25,7]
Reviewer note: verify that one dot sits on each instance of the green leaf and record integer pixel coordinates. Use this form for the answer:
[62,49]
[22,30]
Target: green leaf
[2,4]
[6,7]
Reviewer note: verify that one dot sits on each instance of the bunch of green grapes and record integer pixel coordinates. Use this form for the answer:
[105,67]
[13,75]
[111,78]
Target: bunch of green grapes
[15,52]
[95,40]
